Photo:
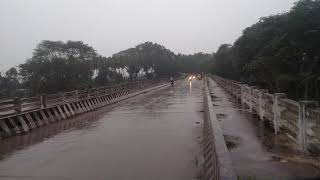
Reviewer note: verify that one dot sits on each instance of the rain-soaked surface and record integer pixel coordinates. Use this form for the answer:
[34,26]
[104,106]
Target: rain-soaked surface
[255,151]
[152,136]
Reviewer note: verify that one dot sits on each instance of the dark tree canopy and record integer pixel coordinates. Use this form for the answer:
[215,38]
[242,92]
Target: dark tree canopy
[57,66]
[9,83]
[61,66]
[280,52]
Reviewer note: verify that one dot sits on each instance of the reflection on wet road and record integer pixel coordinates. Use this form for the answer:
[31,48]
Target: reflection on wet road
[152,136]
[254,150]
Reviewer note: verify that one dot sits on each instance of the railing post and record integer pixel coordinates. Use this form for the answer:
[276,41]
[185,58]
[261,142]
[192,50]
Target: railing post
[276,110]
[95,92]
[234,90]
[88,93]
[261,112]
[77,95]
[243,91]
[17,103]
[63,95]
[251,99]
[43,101]
[302,136]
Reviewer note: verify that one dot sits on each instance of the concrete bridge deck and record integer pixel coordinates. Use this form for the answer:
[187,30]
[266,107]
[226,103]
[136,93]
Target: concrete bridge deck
[156,135]
[152,136]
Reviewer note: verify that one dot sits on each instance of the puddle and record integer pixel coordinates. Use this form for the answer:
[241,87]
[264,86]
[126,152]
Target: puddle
[255,149]
[213,96]
[232,141]
[221,116]
[278,159]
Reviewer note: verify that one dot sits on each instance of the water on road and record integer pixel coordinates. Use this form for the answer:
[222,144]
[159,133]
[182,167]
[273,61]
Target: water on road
[253,147]
[152,136]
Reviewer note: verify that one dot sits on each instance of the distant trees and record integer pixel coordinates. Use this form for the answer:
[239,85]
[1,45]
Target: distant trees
[148,58]
[57,66]
[9,83]
[222,64]
[107,71]
[196,63]
[61,66]
[280,52]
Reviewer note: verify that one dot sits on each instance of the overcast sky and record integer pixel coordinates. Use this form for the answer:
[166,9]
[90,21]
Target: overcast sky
[183,26]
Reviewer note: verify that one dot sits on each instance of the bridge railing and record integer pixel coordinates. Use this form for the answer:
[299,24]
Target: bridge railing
[22,115]
[15,106]
[299,120]
[217,162]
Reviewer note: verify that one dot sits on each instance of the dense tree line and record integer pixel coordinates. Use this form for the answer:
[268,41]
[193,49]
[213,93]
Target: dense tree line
[9,83]
[61,66]
[280,53]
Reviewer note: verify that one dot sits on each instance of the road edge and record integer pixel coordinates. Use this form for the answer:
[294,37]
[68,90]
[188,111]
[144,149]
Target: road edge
[218,163]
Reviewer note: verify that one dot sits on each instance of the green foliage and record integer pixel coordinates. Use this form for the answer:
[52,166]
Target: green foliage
[107,71]
[9,83]
[223,61]
[61,66]
[149,58]
[57,66]
[280,53]
[195,63]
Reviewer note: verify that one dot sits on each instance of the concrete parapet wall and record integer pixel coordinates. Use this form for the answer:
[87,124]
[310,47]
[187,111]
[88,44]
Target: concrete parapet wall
[24,122]
[299,120]
[9,107]
[217,164]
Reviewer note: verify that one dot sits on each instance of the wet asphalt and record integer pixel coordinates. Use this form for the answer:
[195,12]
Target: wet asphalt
[152,136]
[156,135]
[254,149]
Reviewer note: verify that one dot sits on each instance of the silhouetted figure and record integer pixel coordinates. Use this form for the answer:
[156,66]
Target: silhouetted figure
[171,80]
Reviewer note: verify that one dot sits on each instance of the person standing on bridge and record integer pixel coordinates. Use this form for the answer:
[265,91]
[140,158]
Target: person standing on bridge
[171,80]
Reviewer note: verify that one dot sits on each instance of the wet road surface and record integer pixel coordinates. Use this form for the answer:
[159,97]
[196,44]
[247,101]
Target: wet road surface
[151,136]
[254,150]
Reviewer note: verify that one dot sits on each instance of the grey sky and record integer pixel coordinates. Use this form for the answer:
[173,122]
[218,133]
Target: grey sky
[185,26]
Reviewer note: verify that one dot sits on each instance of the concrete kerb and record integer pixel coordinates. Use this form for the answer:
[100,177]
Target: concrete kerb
[224,163]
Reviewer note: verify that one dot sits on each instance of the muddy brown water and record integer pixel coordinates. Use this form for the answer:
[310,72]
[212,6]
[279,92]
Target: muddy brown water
[152,136]
[255,151]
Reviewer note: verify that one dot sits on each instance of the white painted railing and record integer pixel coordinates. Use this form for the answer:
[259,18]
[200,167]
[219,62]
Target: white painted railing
[300,120]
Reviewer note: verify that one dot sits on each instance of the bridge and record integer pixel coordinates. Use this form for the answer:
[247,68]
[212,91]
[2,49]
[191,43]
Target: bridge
[212,128]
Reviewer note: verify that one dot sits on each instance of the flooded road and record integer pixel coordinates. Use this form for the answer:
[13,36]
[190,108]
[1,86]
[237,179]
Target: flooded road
[151,136]
[254,149]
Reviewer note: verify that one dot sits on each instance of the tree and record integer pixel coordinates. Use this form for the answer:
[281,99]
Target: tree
[57,66]
[148,58]
[279,52]
[62,66]
[9,84]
